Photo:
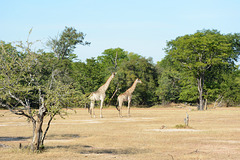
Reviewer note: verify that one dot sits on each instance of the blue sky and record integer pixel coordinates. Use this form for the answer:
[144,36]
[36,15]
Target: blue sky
[139,26]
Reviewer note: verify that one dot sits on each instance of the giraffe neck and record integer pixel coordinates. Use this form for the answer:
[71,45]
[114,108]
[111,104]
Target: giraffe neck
[132,88]
[104,87]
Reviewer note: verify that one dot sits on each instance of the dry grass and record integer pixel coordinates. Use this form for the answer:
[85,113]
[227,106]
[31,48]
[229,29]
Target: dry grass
[148,134]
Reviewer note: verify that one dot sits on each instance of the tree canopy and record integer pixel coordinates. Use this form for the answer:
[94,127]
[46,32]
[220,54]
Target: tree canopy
[64,44]
[205,55]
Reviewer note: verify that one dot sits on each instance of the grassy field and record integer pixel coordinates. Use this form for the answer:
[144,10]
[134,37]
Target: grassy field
[148,134]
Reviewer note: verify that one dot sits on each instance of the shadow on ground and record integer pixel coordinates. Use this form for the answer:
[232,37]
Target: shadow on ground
[81,149]
[14,138]
[109,151]
[86,149]
[62,136]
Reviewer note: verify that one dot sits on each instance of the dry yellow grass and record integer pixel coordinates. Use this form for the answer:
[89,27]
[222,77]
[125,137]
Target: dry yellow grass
[148,134]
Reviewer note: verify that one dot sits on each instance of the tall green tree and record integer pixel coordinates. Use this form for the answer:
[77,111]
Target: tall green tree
[110,61]
[88,76]
[169,77]
[230,89]
[144,69]
[64,44]
[112,58]
[202,51]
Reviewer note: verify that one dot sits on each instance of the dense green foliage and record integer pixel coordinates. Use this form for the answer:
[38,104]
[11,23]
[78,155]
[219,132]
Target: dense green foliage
[205,58]
[197,68]
[64,45]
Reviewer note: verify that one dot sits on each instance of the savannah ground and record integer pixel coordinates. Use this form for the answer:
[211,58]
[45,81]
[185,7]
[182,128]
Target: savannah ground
[149,133]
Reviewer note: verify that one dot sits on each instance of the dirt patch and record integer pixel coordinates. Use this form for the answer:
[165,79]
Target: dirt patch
[61,138]
[13,124]
[226,141]
[76,122]
[174,130]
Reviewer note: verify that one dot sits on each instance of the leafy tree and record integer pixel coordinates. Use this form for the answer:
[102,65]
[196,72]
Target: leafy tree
[87,76]
[90,75]
[189,89]
[230,89]
[110,61]
[138,67]
[111,58]
[93,73]
[199,53]
[169,77]
[174,84]
[30,80]
[64,45]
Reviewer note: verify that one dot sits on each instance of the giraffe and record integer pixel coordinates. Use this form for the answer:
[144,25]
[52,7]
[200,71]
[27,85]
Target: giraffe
[99,95]
[127,96]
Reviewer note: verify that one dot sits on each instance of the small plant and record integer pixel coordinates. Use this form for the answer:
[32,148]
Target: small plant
[179,126]
[182,126]
[42,147]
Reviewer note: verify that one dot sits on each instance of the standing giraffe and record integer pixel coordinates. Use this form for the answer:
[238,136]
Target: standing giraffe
[99,95]
[127,96]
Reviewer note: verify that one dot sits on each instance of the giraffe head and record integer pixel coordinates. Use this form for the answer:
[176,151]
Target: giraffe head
[113,74]
[138,80]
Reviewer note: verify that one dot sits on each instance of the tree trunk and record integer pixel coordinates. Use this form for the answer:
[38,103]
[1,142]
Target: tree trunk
[200,90]
[37,134]
[48,126]
[201,106]
[205,107]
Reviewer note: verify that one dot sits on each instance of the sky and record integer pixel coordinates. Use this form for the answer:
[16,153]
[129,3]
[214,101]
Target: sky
[139,26]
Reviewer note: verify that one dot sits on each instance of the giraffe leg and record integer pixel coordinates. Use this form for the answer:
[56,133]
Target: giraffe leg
[94,116]
[92,109]
[101,109]
[89,110]
[120,112]
[120,109]
[129,102]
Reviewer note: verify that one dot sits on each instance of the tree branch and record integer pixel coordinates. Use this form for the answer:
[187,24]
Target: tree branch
[17,99]
[17,112]
[49,122]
